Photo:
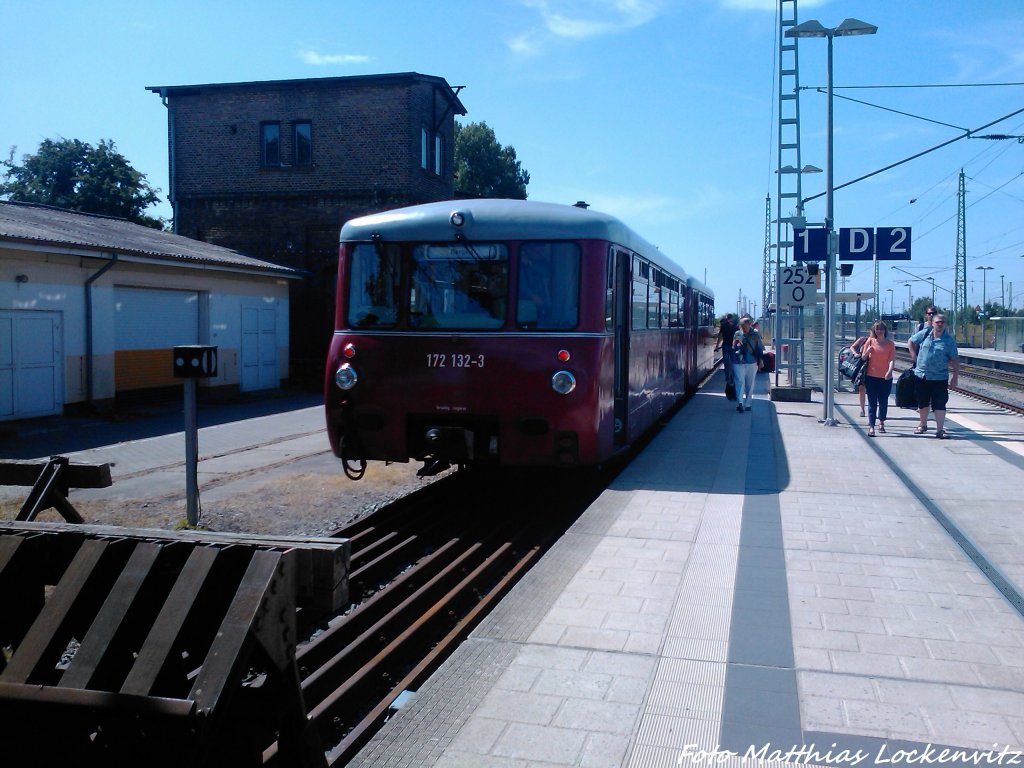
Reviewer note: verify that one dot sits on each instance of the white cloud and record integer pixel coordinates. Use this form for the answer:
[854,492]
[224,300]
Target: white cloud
[321,59]
[583,20]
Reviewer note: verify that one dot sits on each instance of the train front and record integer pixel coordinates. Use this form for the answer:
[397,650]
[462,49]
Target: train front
[459,344]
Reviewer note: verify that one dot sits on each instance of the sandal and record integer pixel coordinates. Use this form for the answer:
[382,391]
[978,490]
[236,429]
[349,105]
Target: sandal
[941,434]
[920,430]
[871,431]
[881,428]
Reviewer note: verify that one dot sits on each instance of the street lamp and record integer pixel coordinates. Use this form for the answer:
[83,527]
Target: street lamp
[814,28]
[984,311]
[933,290]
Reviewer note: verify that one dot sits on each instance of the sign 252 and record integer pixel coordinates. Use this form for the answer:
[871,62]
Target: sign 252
[796,287]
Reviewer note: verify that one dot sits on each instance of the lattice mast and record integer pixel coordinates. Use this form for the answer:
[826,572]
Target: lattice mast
[768,270]
[960,281]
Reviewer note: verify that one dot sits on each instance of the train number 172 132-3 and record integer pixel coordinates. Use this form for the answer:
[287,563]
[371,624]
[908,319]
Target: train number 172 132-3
[454,360]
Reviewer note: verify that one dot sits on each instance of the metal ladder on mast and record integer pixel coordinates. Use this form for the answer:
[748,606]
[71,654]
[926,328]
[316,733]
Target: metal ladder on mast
[788,328]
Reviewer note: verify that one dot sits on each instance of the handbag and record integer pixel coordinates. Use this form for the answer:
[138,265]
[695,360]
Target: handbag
[851,365]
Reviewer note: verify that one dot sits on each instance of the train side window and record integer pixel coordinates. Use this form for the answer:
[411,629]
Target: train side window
[609,291]
[549,286]
[639,303]
[373,286]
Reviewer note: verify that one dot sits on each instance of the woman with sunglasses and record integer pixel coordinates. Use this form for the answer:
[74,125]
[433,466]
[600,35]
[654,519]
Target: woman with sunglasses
[936,366]
[880,352]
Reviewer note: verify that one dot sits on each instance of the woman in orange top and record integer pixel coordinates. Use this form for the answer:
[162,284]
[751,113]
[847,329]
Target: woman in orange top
[880,352]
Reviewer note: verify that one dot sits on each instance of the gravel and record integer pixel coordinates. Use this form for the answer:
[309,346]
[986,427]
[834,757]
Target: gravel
[309,497]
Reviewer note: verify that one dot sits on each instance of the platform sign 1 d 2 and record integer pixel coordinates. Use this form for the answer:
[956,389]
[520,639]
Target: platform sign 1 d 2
[883,243]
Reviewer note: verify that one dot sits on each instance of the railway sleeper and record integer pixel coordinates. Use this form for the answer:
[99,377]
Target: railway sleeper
[130,647]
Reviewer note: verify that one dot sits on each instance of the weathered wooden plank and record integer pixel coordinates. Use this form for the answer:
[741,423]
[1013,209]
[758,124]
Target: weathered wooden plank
[92,652]
[164,634]
[321,568]
[74,476]
[46,630]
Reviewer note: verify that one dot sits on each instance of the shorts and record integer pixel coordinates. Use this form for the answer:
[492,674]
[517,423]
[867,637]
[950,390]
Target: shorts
[933,392]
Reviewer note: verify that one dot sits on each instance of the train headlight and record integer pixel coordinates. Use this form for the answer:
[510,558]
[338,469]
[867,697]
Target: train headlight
[563,382]
[346,377]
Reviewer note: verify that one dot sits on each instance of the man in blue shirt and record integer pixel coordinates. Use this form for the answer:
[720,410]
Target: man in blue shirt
[933,351]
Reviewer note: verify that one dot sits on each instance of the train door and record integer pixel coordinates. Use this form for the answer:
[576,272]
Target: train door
[622,292]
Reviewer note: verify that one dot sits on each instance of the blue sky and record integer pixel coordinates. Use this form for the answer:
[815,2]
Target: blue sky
[660,112]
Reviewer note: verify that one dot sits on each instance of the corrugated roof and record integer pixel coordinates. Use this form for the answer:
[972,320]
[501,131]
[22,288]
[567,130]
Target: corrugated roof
[58,227]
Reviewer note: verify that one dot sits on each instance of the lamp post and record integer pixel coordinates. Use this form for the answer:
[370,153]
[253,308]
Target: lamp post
[933,290]
[815,29]
[984,309]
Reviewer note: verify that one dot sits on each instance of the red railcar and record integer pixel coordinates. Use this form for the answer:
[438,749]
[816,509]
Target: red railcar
[506,332]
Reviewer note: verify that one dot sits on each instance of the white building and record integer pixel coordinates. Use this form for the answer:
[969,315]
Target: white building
[90,306]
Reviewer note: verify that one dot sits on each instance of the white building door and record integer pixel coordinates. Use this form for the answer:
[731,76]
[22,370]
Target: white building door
[31,364]
[259,349]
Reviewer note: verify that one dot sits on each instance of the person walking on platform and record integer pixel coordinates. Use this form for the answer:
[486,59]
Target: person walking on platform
[880,352]
[726,331]
[857,348]
[748,348]
[933,352]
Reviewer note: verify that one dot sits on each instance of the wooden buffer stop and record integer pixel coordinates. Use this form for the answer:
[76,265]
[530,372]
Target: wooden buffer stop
[130,647]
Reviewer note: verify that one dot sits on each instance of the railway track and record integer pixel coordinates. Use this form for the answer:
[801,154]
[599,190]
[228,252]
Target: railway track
[424,571]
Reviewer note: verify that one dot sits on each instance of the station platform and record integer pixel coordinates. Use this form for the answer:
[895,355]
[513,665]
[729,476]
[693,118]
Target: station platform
[756,589]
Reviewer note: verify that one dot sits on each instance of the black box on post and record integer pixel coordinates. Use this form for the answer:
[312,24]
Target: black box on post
[195,361]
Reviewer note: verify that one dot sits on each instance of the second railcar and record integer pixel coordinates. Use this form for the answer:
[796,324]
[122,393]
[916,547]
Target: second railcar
[506,332]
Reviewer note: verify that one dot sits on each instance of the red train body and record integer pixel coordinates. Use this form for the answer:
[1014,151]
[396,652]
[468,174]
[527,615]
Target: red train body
[506,332]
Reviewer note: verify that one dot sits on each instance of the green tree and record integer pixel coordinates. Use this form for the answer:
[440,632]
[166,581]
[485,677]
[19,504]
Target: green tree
[484,168]
[73,174]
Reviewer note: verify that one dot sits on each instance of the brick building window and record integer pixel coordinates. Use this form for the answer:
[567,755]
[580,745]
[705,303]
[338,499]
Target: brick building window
[424,149]
[304,143]
[438,154]
[270,143]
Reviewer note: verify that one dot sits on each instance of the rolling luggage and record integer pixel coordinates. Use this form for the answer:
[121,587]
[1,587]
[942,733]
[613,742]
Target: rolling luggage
[906,390]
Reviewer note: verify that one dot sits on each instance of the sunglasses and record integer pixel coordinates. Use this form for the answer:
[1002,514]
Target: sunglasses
[929,313]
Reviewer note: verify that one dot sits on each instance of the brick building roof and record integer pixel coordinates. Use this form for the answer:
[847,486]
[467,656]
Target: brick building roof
[30,223]
[396,78]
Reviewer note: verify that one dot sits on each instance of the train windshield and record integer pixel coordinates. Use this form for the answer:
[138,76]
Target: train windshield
[458,285]
[549,286]
[373,294]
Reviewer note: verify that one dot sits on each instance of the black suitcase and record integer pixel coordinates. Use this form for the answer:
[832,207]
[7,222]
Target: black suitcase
[906,390]
[730,391]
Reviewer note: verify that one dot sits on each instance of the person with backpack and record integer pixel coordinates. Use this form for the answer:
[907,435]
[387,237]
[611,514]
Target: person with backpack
[726,331]
[747,348]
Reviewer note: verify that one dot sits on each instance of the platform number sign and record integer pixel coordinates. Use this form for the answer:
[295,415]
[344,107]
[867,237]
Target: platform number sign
[810,244]
[797,288]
